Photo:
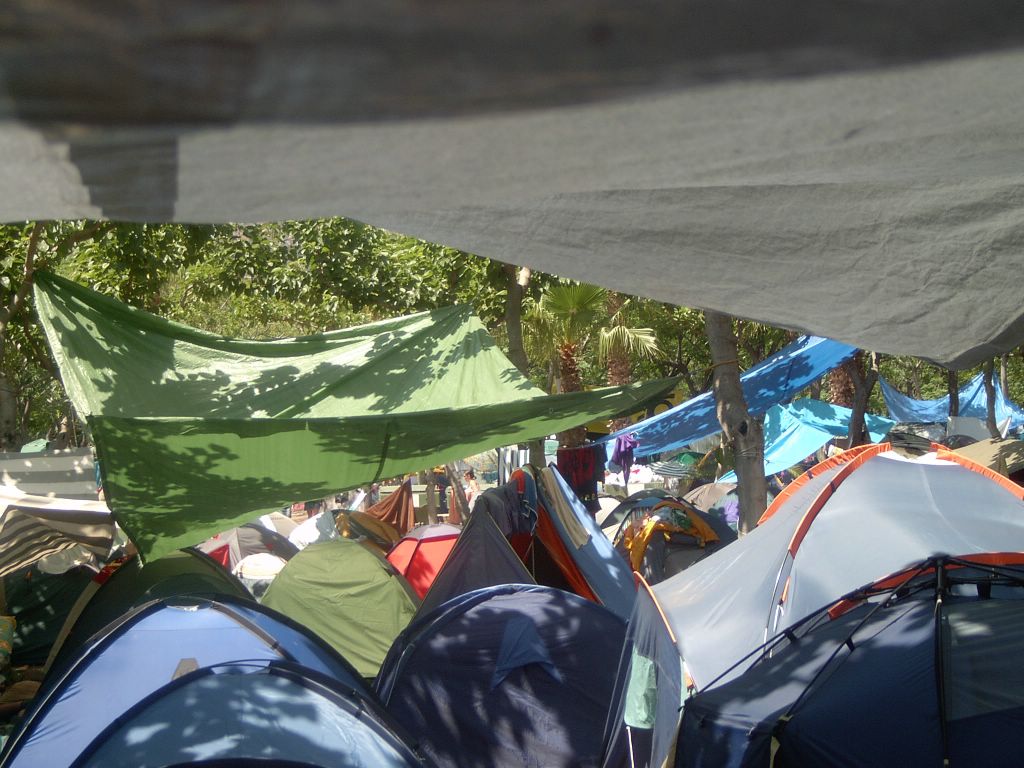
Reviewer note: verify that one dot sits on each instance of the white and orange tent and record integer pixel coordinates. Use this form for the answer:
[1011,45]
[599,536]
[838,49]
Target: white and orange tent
[849,521]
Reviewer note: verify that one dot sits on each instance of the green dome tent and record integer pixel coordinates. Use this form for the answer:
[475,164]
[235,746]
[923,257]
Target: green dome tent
[347,594]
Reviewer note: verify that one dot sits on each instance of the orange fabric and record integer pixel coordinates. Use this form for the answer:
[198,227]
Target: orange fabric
[384,531]
[704,531]
[549,537]
[897,579]
[944,453]
[861,457]
[420,560]
[397,510]
[833,461]
[642,582]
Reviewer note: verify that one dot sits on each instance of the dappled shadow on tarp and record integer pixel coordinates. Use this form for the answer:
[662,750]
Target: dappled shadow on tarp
[174,482]
[446,684]
[120,361]
[197,433]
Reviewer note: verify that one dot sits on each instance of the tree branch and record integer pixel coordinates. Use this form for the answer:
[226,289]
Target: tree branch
[20,296]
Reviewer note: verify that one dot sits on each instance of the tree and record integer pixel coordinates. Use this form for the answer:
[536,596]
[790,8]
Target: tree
[990,397]
[566,320]
[28,375]
[744,434]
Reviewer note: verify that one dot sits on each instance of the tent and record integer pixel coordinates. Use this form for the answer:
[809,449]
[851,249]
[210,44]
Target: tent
[973,404]
[231,547]
[145,650]
[127,583]
[481,557]
[625,508]
[34,527]
[512,676]
[776,379]
[247,713]
[558,539]
[362,525]
[291,717]
[926,672]
[256,572]
[863,513]
[196,432]
[1003,456]
[320,527]
[40,602]
[349,595]
[796,430]
[875,199]
[662,539]
[396,509]
[421,553]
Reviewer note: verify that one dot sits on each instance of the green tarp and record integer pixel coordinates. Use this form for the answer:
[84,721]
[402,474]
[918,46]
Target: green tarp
[197,433]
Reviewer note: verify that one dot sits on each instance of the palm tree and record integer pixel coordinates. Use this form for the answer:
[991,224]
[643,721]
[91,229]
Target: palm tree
[568,316]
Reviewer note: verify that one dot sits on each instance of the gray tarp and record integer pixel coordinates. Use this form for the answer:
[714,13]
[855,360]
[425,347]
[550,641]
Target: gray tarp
[854,170]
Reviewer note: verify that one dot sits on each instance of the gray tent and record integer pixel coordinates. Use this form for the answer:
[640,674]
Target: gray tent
[805,165]
[852,519]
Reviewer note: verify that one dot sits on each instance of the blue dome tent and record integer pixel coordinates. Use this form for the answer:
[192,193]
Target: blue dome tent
[149,648]
[509,675]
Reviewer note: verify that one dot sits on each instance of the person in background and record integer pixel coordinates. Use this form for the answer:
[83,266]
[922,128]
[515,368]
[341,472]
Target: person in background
[471,486]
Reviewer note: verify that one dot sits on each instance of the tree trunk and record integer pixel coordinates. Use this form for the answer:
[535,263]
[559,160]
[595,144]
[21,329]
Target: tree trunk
[953,388]
[431,499]
[864,379]
[990,395]
[842,386]
[518,280]
[569,371]
[744,434]
[620,367]
[11,438]
[460,510]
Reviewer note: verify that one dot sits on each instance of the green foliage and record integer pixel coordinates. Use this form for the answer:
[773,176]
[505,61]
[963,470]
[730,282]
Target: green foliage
[297,278]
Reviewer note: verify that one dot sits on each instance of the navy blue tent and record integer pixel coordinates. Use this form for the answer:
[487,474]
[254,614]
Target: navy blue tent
[513,675]
[151,646]
[250,713]
[923,669]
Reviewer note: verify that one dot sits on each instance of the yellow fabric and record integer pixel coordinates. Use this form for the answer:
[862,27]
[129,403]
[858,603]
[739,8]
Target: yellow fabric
[637,537]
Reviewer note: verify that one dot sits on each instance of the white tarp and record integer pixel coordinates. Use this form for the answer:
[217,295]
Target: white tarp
[854,171]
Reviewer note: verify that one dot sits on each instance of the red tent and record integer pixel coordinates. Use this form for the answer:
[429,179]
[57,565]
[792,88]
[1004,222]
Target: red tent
[421,553]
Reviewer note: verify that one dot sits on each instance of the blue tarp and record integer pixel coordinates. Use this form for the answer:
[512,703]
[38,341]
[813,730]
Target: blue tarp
[973,402]
[774,380]
[794,431]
